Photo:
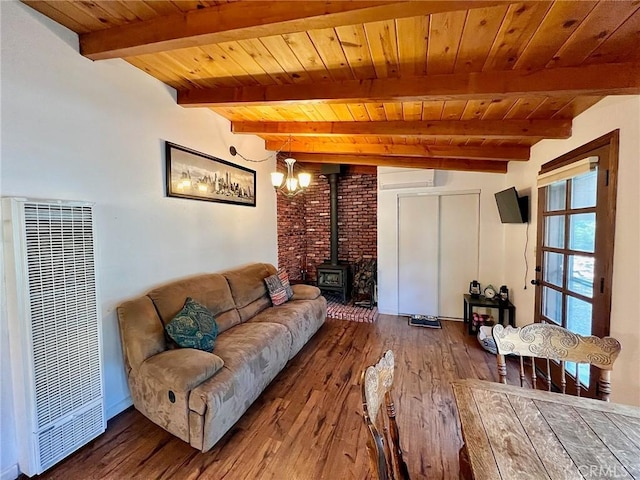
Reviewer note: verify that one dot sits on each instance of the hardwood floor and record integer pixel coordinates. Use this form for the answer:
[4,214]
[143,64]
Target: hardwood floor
[307,425]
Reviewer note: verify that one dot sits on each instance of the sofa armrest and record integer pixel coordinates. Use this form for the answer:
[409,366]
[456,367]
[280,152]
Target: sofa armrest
[305,292]
[181,369]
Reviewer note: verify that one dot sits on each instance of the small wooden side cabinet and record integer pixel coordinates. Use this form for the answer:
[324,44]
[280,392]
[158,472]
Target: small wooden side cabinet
[483,302]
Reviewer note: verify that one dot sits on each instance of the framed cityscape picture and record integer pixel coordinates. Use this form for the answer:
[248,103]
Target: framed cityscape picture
[199,176]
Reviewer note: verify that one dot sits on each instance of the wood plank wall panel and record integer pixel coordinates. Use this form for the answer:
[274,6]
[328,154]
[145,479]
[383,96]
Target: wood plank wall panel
[432,110]
[53,11]
[327,113]
[281,52]
[236,68]
[154,67]
[327,44]
[303,49]
[518,26]
[577,106]
[445,30]
[480,30]
[142,10]
[166,7]
[234,52]
[615,48]
[376,111]
[561,20]
[453,109]
[204,66]
[353,40]
[383,45]
[549,106]
[413,38]
[605,18]
[265,59]
[393,111]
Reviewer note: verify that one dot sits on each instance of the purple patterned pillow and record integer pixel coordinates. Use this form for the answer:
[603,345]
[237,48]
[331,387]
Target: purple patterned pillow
[277,291]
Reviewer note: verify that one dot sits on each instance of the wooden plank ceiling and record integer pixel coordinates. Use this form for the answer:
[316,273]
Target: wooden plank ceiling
[428,84]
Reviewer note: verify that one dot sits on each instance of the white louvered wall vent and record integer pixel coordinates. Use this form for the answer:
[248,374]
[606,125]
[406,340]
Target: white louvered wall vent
[54,325]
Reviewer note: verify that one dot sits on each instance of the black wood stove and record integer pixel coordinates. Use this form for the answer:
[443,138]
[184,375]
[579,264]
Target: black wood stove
[334,277]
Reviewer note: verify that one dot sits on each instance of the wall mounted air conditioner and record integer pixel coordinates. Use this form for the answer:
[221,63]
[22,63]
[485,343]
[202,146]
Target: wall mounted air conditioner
[406,178]
[54,328]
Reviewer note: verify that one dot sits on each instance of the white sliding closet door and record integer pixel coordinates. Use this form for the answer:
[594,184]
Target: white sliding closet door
[459,221]
[437,252]
[418,254]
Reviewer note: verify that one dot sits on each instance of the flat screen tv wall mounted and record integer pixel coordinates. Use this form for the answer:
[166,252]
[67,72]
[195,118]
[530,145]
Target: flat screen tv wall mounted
[512,208]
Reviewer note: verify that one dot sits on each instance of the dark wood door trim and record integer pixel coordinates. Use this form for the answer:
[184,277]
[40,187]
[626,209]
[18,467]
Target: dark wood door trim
[606,148]
[611,139]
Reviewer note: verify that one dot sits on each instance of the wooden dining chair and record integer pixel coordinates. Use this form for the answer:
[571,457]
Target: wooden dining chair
[552,342]
[383,441]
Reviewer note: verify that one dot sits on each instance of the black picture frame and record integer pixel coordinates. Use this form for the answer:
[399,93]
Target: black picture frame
[198,176]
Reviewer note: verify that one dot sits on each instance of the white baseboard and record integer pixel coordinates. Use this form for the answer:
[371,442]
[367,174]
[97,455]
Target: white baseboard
[10,473]
[114,410]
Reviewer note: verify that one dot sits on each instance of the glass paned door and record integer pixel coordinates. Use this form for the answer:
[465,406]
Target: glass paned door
[574,254]
[568,251]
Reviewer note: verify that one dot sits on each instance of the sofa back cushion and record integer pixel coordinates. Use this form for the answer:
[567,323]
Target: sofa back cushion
[248,288]
[210,290]
[141,332]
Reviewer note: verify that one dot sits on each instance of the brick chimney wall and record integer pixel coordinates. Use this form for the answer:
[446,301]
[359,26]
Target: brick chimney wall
[317,217]
[357,217]
[292,243]
[303,223]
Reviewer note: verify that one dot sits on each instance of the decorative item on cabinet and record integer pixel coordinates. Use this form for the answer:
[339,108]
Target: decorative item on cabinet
[503,296]
[474,289]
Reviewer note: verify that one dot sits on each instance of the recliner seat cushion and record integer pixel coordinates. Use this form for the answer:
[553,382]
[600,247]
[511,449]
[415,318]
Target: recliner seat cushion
[253,355]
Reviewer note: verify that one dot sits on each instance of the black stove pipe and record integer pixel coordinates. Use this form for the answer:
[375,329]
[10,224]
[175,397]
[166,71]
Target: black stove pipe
[333,195]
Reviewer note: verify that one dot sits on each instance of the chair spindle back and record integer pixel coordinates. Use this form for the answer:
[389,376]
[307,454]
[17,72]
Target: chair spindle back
[552,342]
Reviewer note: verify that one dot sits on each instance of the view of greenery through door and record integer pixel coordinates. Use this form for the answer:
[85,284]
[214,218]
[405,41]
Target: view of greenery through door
[573,214]
[575,246]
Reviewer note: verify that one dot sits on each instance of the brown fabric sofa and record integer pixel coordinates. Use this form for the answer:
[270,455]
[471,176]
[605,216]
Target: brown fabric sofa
[196,395]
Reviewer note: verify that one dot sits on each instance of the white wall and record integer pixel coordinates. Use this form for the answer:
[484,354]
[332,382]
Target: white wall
[609,114]
[491,237]
[83,130]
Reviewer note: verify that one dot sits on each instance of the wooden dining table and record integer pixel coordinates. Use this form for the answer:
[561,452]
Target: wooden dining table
[520,433]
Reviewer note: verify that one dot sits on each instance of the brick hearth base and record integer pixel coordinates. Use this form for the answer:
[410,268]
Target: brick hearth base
[352,313]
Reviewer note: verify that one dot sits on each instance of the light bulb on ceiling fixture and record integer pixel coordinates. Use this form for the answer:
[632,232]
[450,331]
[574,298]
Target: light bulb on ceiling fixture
[287,183]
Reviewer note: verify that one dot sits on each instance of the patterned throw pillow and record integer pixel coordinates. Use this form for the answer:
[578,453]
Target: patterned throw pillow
[284,279]
[193,327]
[277,292]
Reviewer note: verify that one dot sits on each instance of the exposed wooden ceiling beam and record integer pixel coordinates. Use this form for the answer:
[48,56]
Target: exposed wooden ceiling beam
[443,128]
[435,151]
[603,79]
[347,168]
[250,19]
[405,162]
